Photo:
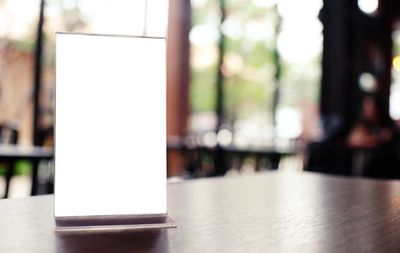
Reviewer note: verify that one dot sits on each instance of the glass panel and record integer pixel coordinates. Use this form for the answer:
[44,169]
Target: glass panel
[300,49]
[18,25]
[249,70]
[260,36]
[204,37]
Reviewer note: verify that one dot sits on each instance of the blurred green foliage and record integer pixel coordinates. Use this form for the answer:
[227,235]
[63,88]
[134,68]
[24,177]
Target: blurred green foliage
[244,94]
[251,35]
[22,167]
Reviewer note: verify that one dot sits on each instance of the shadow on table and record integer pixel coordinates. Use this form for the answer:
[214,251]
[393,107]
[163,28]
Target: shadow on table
[122,241]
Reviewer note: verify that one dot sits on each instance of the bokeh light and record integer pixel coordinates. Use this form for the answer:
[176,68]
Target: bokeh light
[368,6]
[396,63]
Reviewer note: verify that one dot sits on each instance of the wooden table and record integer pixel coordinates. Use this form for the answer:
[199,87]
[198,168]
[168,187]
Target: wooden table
[266,212]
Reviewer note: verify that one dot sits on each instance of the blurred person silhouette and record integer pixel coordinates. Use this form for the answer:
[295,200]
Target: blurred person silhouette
[373,140]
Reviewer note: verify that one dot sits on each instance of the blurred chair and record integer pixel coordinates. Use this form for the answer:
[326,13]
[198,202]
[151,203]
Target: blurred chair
[329,154]
[43,171]
[332,155]
[8,135]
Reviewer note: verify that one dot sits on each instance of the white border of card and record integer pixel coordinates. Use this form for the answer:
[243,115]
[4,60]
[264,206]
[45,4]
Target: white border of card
[110,132]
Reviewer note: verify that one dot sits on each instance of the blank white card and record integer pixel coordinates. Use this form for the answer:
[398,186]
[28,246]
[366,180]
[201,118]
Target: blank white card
[110,132]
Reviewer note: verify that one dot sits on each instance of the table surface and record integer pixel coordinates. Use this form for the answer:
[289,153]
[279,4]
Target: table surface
[265,212]
[22,152]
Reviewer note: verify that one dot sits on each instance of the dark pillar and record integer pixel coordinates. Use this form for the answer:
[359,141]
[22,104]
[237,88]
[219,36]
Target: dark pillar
[38,75]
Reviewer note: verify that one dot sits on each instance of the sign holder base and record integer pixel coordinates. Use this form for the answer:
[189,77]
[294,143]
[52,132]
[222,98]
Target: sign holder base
[113,223]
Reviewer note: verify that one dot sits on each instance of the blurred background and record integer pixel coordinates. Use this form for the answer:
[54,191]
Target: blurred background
[253,85]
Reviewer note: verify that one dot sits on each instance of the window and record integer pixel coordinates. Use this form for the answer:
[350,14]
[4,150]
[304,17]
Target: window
[18,25]
[271,69]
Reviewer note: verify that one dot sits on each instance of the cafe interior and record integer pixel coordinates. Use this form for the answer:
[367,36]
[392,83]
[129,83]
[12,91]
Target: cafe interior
[252,85]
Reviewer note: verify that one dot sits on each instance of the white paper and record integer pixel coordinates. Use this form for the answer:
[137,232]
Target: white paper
[110,134]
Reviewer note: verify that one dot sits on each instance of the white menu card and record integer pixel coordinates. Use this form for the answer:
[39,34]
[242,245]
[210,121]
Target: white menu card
[110,131]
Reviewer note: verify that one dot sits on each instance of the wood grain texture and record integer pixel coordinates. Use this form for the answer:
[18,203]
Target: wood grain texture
[266,212]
